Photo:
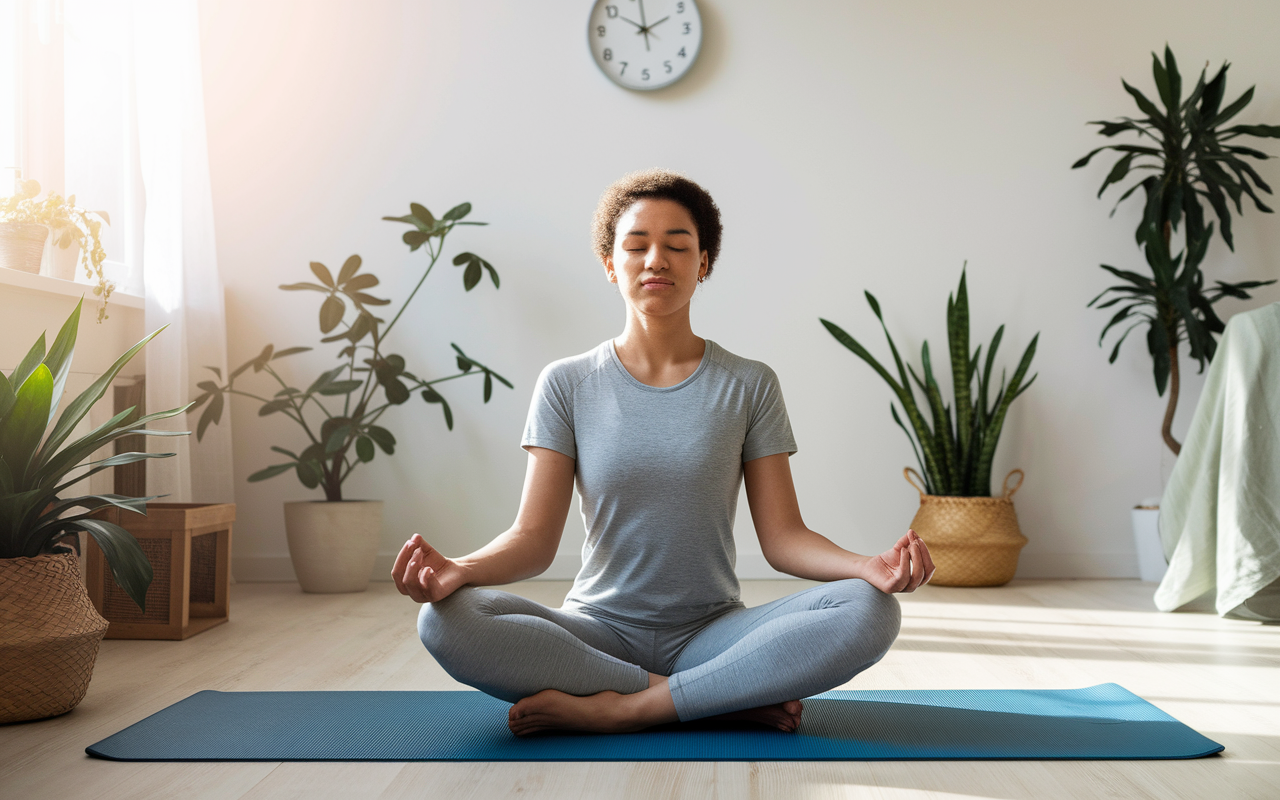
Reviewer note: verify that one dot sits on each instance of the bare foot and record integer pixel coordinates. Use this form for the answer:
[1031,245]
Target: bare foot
[783,716]
[606,712]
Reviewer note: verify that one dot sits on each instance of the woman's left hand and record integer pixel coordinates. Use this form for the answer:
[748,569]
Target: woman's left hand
[902,568]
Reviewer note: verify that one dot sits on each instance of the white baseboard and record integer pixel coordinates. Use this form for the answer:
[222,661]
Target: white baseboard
[751,567]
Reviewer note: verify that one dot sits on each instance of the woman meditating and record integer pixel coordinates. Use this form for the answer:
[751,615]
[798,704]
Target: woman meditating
[658,427]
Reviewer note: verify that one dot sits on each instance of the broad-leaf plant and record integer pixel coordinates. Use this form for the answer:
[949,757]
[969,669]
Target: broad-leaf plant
[1185,155]
[955,451]
[340,413]
[40,462]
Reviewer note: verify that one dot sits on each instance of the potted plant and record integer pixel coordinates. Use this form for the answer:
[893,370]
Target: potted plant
[333,542]
[49,631]
[25,224]
[1185,155]
[973,537]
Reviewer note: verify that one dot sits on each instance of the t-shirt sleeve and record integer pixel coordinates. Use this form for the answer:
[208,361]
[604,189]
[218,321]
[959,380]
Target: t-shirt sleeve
[550,422]
[769,431]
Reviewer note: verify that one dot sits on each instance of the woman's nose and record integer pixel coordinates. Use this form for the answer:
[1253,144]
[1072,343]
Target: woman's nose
[654,259]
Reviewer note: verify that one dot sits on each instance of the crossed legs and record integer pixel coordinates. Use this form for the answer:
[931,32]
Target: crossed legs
[566,670]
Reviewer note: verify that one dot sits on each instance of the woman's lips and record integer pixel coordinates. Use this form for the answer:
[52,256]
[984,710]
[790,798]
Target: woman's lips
[658,285]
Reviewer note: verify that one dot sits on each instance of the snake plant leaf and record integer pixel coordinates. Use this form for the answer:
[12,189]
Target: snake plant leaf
[7,397]
[58,359]
[76,410]
[961,375]
[26,421]
[349,268]
[129,565]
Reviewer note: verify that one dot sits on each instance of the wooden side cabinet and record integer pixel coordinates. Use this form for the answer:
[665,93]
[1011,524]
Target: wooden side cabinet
[189,547]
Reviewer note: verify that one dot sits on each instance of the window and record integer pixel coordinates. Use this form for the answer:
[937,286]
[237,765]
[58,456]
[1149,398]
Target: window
[71,125]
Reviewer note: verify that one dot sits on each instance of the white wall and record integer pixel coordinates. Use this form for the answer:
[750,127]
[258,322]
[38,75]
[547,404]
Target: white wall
[850,145]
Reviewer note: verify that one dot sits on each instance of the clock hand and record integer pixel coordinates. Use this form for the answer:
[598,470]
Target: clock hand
[645,27]
[637,24]
[659,22]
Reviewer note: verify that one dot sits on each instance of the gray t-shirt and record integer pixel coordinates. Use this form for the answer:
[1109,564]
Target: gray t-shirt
[658,471]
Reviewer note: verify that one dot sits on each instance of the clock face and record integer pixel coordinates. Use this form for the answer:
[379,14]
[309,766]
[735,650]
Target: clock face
[645,44]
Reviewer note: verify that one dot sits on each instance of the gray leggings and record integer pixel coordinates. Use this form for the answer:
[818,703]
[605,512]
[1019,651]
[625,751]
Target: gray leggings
[801,645]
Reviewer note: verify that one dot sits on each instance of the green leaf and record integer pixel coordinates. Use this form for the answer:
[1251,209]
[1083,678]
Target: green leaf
[364,449]
[493,273]
[1233,109]
[383,438]
[397,392]
[463,258]
[309,473]
[488,386]
[359,282]
[322,272]
[349,268]
[325,379]
[58,359]
[415,239]
[7,397]
[340,387]
[331,313]
[263,358]
[298,287]
[432,396]
[421,214]
[129,565]
[271,472]
[472,276]
[211,416]
[457,212]
[274,406]
[289,351]
[1146,105]
[1118,172]
[26,421]
[370,300]
[338,438]
[28,364]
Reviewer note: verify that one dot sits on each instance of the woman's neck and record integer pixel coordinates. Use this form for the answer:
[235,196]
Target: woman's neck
[659,352]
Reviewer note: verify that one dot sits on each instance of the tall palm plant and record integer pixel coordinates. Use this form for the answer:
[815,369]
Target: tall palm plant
[1184,156]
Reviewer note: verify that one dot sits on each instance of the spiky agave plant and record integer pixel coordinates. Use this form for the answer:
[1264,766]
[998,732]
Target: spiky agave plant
[955,454]
[38,464]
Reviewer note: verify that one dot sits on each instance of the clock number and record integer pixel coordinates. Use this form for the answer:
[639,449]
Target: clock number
[667,64]
[612,11]
[623,71]
[600,30]
[679,8]
[681,53]
[644,74]
[608,54]
[687,28]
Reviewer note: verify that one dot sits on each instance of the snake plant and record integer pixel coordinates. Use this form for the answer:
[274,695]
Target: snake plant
[956,451]
[38,465]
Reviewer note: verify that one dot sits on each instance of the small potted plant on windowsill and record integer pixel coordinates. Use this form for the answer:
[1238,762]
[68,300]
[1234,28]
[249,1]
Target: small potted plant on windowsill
[973,536]
[26,223]
[333,542]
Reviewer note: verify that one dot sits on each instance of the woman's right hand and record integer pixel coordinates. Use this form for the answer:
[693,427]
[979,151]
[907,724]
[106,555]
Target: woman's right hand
[422,573]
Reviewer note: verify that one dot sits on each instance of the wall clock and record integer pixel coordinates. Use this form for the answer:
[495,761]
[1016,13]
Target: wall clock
[645,45]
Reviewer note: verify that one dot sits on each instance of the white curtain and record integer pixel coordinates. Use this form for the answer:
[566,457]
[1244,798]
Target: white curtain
[180,265]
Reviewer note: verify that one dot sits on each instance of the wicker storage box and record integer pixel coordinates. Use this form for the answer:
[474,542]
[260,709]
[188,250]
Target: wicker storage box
[974,541]
[189,547]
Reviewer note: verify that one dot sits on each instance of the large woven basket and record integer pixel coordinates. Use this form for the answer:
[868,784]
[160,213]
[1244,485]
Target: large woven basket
[22,245]
[974,541]
[49,636]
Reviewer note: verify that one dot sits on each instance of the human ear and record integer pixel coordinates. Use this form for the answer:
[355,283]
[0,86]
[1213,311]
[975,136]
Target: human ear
[608,268]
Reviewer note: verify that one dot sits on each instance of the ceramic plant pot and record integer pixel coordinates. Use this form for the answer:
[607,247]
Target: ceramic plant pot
[974,541]
[49,637]
[22,245]
[333,545]
[1146,539]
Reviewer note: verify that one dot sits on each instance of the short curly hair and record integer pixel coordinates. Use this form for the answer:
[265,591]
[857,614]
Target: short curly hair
[660,184]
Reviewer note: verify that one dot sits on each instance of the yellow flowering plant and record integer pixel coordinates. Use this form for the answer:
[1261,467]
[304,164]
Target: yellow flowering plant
[69,224]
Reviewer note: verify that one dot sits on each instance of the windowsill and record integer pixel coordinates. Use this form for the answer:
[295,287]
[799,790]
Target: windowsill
[43,283]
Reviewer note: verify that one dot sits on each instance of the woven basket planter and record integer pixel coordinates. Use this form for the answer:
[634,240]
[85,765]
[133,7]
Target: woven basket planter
[49,636]
[22,245]
[974,541]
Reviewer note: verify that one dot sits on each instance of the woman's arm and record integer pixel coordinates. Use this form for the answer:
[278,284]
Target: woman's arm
[524,550]
[792,548]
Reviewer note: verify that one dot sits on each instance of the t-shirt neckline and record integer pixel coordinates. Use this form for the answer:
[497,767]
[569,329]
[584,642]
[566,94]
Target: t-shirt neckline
[702,365]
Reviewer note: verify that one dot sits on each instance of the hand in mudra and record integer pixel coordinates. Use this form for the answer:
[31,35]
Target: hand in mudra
[421,572]
[902,568]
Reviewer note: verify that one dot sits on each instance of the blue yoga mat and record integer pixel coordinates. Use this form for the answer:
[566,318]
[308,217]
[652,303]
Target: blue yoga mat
[1101,722]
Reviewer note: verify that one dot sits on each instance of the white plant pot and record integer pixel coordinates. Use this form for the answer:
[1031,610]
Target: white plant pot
[333,545]
[1146,538]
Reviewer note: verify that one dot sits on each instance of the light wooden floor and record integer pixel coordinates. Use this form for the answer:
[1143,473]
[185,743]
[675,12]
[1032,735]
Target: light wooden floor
[1221,677]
